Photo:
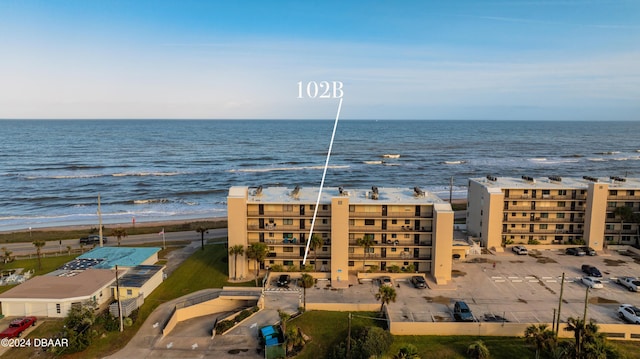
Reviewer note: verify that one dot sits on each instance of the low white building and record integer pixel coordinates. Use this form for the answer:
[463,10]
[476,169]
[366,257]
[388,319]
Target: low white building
[53,295]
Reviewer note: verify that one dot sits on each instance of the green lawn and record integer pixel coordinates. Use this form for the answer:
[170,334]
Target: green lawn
[48,264]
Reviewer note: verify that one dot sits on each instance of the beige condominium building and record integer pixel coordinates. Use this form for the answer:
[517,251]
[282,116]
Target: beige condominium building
[553,210]
[410,228]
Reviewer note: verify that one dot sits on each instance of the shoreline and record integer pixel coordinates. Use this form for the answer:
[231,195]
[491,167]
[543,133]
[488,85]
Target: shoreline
[139,223]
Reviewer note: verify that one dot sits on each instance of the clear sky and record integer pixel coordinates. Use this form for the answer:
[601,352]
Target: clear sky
[522,60]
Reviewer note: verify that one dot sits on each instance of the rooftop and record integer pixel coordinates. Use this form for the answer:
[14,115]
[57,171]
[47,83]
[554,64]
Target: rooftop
[73,285]
[356,196]
[553,183]
[121,256]
[138,275]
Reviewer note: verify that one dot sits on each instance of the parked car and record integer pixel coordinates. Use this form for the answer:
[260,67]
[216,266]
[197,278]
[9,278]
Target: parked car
[283,280]
[629,313]
[592,282]
[591,271]
[17,326]
[588,251]
[385,281]
[418,281]
[575,251]
[631,283]
[519,250]
[93,239]
[462,313]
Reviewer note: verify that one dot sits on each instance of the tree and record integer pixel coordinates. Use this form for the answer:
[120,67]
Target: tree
[541,337]
[202,230]
[284,316]
[119,233]
[39,245]
[366,242]
[623,214]
[69,250]
[293,340]
[477,350]
[235,251]
[407,351]
[315,243]
[77,326]
[6,257]
[257,251]
[306,281]
[385,295]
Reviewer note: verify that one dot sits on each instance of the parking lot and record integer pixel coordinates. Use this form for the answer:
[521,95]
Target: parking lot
[522,289]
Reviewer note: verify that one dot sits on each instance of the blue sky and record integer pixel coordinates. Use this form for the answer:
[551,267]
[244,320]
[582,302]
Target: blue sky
[521,60]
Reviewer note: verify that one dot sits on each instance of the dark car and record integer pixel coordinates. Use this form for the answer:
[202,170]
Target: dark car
[462,313]
[418,281]
[92,239]
[574,251]
[283,280]
[588,250]
[591,271]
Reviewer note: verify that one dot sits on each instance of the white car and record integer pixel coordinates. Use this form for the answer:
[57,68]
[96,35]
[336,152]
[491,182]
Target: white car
[519,250]
[592,282]
[631,283]
[629,313]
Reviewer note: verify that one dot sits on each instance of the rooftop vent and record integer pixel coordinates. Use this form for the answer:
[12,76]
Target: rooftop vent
[374,192]
[492,178]
[418,192]
[259,191]
[529,179]
[618,179]
[589,178]
[555,178]
[342,191]
[296,192]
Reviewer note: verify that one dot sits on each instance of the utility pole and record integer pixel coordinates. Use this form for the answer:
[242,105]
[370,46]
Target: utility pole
[119,302]
[560,305]
[451,190]
[553,325]
[586,303]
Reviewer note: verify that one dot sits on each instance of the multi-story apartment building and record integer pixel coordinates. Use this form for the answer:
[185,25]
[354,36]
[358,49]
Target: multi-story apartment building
[410,229]
[553,210]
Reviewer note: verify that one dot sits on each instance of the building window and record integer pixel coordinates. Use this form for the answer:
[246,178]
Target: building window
[544,215]
[288,208]
[287,263]
[325,262]
[626,227]
[628,204]
[610,227]
[613,192]
[325,207]
[352,236]
[352,208]
[325,221]
[393,235]
[524,214]
[559,226]
[514,203]
[513,214]
[631,192]
[272,249]
[393,249]
[562,192]
[369,250]
[129,292]
[559,215]
[562,204]
[325,235]
[611,204]
[369,222]
[351,250]
[324,249]
[351,264]
[287,221]
[394,221]
[406,249]
[407,236]
[513,225]
[407,221]
[270,234]
[287,249]
[546,192]
[543,226]
[352,222]
[58,308]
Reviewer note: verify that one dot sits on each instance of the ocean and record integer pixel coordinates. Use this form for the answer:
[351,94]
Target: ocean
[52,171]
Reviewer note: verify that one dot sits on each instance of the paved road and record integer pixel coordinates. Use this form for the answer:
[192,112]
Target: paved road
[26,248]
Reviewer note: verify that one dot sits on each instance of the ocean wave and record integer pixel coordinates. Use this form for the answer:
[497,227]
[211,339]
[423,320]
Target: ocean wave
[145,174]
[300,168]
[149,201]
[453,162]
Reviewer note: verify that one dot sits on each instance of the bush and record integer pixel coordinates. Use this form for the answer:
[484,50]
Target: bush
[366,343]
[108,322]
[223,326]
[533,241]
[394,269]
[277,268]
[292,268]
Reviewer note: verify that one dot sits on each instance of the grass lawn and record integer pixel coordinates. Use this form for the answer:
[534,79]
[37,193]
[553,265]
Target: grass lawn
[45,329]
[48,264]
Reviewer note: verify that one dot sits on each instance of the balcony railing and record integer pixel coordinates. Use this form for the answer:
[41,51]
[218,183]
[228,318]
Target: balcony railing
[390,215]
[403,229]
[543,220]
[288,214]
[542,231]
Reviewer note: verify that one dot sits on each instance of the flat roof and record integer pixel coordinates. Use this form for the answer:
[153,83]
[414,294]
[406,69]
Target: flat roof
[121,256]
[309,195]
[138,275]
[564,183]
[71,285]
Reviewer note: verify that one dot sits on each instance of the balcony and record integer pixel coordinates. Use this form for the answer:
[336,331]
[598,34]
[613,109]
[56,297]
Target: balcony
[288,214]
[543,231]
[377,229]
[390,215]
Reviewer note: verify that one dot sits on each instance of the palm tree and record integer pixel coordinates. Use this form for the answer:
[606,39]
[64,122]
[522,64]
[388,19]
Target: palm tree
[235,251]
[386,295]
[577,326]
[6,255]
[477,350]
[306,281]
[623,214]
[540,336]
[284,316]
[314,244]
[407,351]
[293,339]
[69,250]
[39,245]
[257,251]
[366,242]
[119,233]
[202,230]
